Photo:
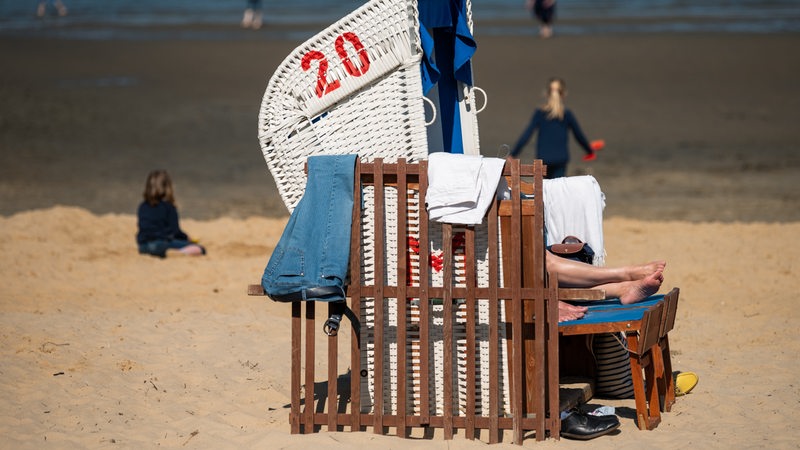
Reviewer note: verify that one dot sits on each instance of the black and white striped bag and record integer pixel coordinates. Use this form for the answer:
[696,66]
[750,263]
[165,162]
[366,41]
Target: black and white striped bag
[613,367]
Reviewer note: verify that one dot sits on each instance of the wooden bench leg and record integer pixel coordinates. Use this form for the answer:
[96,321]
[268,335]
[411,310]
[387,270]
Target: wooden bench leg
[667,384]
[295,414]
[651,387]
[643,374]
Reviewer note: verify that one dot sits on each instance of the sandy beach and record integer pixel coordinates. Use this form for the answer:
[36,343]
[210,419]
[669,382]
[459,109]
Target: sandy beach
[102,347]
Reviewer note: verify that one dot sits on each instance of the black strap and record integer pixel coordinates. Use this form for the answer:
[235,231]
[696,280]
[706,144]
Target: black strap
[337,307]
[335,310]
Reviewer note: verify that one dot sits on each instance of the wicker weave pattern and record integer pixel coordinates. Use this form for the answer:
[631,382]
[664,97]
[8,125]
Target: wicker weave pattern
[378,113]
[391,347]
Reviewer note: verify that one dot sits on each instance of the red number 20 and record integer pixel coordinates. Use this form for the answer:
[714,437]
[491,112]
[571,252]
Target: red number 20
[323,85]
[362,54]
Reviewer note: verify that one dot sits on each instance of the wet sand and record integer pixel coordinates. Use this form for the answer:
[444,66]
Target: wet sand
[698,127]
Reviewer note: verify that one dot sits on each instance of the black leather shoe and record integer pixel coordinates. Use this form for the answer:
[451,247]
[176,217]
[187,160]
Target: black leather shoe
[583,426]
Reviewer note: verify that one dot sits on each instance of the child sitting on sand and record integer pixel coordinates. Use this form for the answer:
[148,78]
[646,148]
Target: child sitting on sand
[159,230]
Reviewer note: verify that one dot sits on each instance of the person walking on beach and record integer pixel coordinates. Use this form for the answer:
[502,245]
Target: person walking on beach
[554,121]
[544,11]
[252,15]
[159,230]
[59,5]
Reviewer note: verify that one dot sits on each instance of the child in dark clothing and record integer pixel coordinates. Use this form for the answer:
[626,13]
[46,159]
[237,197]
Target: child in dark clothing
[159,230]
[554,121]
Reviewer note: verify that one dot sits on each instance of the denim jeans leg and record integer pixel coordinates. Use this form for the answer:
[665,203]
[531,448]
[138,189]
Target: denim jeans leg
[314,249]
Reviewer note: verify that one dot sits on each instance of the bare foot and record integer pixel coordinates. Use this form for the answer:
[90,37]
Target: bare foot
[193,249]
[640,272]
[570,312]
[636,291]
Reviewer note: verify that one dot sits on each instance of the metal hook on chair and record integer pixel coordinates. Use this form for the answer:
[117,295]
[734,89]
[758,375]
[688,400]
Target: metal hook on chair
[485,99]
[433,108]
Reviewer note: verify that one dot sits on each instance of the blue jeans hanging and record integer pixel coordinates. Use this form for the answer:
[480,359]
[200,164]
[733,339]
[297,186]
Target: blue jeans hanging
[312,257]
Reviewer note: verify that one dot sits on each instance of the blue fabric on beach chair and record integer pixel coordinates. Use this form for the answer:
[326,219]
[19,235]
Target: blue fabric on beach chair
[611,310]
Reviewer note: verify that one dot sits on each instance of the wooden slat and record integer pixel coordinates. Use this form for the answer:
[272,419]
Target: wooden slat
[553,393]
[581,294]
[391,420]
[380,249]
[308,418]
[255,289]
[517,353]
[494,326]
[471,320]
[424,299]
[535,229]
[595,328]
[294,416]
[447,306]
[355,305]
[402,300]
[333,375]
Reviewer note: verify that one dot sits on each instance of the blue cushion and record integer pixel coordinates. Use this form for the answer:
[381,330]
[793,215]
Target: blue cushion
[611,310]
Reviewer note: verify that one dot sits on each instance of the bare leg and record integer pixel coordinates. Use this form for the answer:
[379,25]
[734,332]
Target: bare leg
[61,8]
[577,274]
[247,18]
[627,291]
[630,284]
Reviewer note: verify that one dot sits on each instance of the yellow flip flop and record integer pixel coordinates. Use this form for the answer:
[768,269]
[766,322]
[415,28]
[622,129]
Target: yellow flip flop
[685,382]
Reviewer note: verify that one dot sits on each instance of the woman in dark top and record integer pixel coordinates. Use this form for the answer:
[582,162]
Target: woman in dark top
[554,121]
[158,225]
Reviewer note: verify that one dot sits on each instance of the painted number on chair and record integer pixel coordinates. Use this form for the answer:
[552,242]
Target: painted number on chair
[325,86]
[359,48]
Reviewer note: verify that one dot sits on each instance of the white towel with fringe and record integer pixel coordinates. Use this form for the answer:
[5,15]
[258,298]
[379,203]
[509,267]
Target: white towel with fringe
[573,206]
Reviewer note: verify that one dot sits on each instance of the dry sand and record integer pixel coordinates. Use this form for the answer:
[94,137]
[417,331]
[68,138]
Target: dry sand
[103,347]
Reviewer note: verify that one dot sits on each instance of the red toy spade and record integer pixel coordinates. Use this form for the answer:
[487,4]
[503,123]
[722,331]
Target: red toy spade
[595,146]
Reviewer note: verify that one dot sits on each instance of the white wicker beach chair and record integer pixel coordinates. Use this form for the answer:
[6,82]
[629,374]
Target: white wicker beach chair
[355,88]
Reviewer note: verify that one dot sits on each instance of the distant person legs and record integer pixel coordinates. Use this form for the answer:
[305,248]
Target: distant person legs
[59,5]
[160,248]
[556,171]
[545,11]
[252,15]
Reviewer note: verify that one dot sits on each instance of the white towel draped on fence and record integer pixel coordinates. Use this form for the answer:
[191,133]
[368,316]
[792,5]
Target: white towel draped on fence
[573,206]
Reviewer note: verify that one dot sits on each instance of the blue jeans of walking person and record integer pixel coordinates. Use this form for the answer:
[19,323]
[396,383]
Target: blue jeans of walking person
[312,257]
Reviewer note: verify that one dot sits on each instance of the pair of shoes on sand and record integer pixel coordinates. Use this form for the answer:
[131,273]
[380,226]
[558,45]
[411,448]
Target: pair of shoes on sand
[581,426]
[251,19]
